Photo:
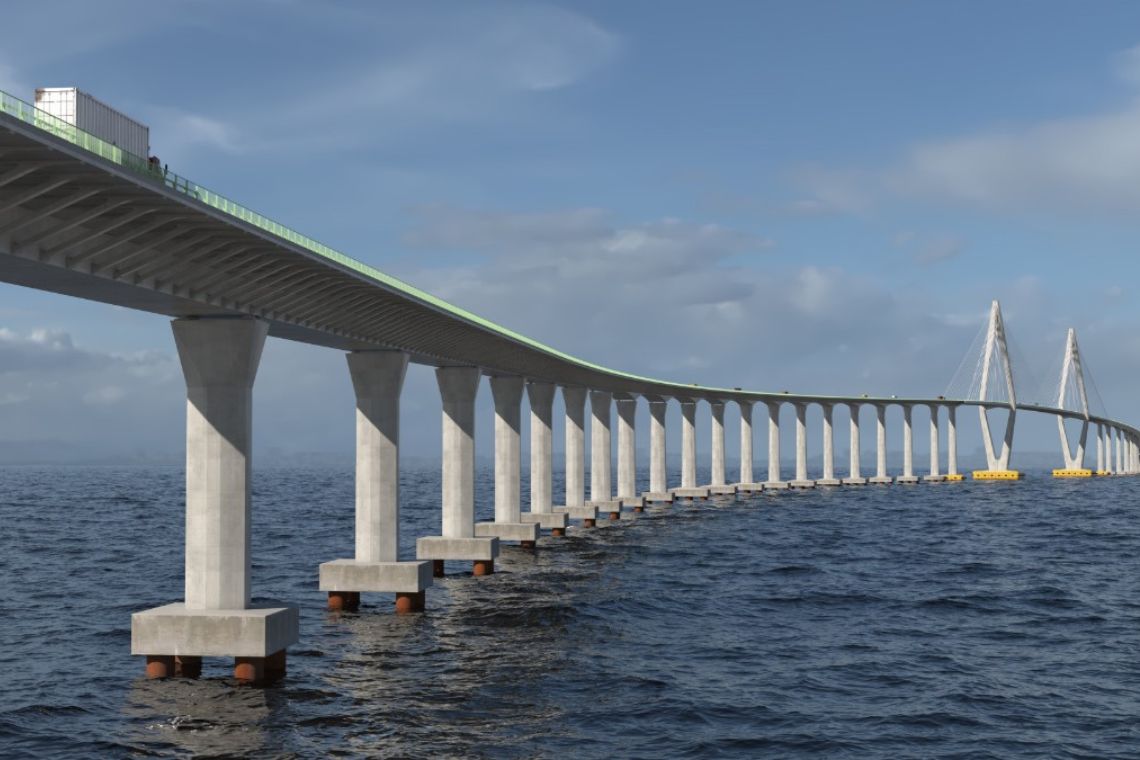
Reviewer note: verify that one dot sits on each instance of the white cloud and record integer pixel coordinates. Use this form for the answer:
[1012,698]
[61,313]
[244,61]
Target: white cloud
[829,191]
[409,74]
[1082,163]
[670,297]
[12,83]
[929,250]
[177,132]
[1070,164]
[1127,65]
[50,388]
[104,396]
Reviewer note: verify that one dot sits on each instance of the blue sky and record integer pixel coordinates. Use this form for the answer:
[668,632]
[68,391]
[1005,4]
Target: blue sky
[820,196]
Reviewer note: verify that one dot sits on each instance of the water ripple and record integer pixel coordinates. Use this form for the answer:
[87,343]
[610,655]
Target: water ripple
[962,621]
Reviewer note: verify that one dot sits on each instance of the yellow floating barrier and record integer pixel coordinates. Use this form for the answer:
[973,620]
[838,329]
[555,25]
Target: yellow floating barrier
[956,477]
[996,475]
[1103,472]
[1063,473]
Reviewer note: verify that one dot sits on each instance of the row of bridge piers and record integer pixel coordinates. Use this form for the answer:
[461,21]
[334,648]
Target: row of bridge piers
[220,357]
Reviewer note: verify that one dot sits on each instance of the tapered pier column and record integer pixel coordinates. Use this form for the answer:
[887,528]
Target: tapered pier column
[881,477]
[575,400]
[575,507]
[717,470]
[801,480]
[458,387]
[658,479]
[508,525]
[688,444]
[689,488]
[854,478]
[935,466]
[908,446]
[377,379]
[1108,451]
[1099,449]
[542,512]
[828,478]
[774,447]
[1118,435]
[952,441]
[745,442]
[627,454]
[219,361]
[601,454]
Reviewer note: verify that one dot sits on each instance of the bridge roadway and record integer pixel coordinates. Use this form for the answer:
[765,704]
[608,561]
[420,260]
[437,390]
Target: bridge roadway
[81,218]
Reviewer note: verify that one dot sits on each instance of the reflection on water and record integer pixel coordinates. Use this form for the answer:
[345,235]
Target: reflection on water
[960,620]
[207,717]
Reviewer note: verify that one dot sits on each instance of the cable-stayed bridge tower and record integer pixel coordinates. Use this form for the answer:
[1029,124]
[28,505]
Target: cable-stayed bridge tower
[1072,388]
[996,379]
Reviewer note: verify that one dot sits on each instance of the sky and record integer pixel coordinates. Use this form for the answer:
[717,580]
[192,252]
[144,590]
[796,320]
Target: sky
[817,196]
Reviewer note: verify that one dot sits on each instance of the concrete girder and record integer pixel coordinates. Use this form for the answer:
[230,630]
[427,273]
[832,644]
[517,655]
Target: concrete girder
[289,280]
[313,293]
[32,194]
[19,172]
[48,211]
[220,270]
[73,262]
[70,224]
[114,262]
[92,234]
[227,284]
[173,259]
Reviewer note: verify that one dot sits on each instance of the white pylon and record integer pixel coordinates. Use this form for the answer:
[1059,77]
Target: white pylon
[995,343]
[1071,369]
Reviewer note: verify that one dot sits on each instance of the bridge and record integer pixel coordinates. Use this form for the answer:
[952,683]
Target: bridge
[81,217]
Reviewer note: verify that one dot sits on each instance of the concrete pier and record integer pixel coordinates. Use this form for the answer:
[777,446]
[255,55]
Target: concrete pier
[774,481]
[881,477]
[627,455]
[575,507]
[377,380]
[854,477]
[717,471]
[508,524]
[601,447]
[952,441]
[935,475]
[458,387]
[688,444]
[627,448]
[828,478]
[908,475]
[219,359]
[745,443]
[1118,436]
[658,482]
[801,480]
[541,396]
